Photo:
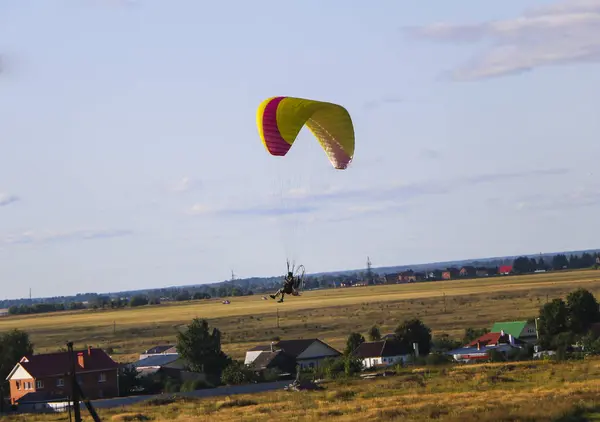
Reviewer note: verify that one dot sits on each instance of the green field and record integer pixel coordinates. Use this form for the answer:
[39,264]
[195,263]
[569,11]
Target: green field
[446,306]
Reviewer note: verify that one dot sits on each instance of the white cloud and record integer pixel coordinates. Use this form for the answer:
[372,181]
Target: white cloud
[47,236]
[186,184]
[197,209]
[354,201]
[7,199]
[564,32]
[588,196]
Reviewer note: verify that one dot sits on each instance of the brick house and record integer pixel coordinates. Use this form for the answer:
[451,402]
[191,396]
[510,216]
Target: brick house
[44,376]
[408,276]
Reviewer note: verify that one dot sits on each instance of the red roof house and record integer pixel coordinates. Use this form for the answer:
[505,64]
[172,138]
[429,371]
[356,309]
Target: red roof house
[505,269]
[44,376]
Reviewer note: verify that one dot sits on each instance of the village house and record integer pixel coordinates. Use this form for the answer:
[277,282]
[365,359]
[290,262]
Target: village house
[522,330]
[505,269]
[467,271]
[44,376]
[165,349]
[170,364]
[274,360]
[382,353]
[482,272]
[480,348]
[306,353]
[390,278]
[408,277]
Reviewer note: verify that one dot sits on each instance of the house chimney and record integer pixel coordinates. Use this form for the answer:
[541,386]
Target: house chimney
[271,347]
[89,350]
[511,340]
[478,345]
[80,359]
[502,333]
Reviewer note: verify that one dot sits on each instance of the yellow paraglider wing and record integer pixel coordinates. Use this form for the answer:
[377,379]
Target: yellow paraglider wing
[280,119]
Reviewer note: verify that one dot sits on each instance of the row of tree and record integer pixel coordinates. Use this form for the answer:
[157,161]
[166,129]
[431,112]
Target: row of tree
[524,265]
[41,308]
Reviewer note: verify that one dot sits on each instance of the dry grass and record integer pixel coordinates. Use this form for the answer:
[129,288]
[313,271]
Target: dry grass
[329,314]
[527,391]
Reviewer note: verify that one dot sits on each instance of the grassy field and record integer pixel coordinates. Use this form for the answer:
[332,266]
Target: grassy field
[526,391]
[446,306]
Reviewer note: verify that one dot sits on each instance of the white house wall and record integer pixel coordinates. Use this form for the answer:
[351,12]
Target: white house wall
[317,350]
[21,374]
[370,362]
[388,360]
[251,356]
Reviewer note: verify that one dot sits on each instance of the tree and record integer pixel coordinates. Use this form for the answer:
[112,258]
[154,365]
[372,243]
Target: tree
[202,349]
[523,265]
[138,300]
[237,373]
[553,320]
[374,333]
[586,260]
[354,340]
[414,331]
[128,379]
[583,310]
[182,296]
[559,262]
[13,346]
[473,333]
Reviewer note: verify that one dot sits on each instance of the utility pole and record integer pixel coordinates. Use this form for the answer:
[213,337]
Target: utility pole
[277,317]
[369,272]
[74,389]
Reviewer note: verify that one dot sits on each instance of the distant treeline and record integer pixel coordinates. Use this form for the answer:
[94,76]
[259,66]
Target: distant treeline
[524,265]
[42,308]
[257,285]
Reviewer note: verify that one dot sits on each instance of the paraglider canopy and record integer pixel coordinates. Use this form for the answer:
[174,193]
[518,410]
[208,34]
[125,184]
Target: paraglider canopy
[280,119]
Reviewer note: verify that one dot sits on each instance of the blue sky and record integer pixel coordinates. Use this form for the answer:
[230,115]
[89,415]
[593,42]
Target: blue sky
[130,158]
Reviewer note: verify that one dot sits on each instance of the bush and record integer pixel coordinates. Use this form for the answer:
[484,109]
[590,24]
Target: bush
[237,373]
[193,385]
[496,356]
[338,368]
[434,359]
[271,374]
[172,385]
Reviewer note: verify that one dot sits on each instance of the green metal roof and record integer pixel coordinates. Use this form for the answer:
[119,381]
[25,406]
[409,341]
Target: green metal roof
[514,328]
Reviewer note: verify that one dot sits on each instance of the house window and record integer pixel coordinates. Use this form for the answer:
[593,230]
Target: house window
[39,384]
[18,383]
[311,365]
[102,377]
[28,385]
[60,382]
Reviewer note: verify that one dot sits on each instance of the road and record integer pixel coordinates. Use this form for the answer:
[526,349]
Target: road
[209,392]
